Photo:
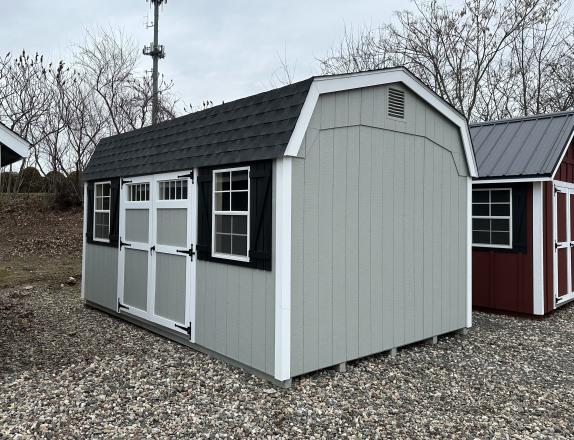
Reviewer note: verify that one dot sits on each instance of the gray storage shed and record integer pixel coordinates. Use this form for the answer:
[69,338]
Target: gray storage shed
[292,230]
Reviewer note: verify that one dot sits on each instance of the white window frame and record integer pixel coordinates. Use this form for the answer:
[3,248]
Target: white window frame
[134,184]
[494,217]
[109,211]
[215,254]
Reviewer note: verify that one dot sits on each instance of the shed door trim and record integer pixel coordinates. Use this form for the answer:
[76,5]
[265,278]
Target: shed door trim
[567,245]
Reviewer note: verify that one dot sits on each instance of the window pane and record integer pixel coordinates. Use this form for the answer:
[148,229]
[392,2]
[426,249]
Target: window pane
[240,224]
[239,201]
[239,245]
[222,181]
[106,189]
[99,203]
[98,190]
[184,191]
[502,209]
[223,243]
[480,224]
[222,201]
[500,238]
[239,180]
[479,237]
[500,225]
[106,203]
[172,190]
[223,223]
[480,196]
[480,209]
[500,196]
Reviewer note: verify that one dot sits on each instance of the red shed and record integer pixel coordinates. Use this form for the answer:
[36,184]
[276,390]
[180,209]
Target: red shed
[523,214]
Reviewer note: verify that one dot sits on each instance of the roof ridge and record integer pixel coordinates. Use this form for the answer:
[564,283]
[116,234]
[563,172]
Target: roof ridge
[523,118]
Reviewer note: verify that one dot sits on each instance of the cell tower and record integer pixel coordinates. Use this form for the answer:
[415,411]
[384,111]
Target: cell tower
[156,51]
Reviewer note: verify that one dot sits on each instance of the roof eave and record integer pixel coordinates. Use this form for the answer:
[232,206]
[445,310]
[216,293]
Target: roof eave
[14,142]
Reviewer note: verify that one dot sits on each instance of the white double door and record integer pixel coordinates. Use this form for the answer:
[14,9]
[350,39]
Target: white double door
[156,266]
[563,213]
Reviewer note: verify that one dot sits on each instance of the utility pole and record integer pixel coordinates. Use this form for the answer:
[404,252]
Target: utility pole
[156,51]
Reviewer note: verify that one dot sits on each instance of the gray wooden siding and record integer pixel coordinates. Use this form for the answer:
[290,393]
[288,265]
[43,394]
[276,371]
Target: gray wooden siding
[378,230]
[235,311]
[101,283]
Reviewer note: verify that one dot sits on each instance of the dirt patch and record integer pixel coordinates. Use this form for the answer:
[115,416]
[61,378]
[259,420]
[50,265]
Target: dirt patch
[38,242]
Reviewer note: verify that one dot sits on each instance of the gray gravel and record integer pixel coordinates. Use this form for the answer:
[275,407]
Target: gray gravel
[67,371]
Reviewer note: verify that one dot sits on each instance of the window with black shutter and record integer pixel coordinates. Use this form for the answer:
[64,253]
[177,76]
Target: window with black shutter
[235,215]
[103,200]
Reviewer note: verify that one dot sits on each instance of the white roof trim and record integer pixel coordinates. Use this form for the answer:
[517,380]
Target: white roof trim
[562,155]
[13,141]
[511,180]
[336,83]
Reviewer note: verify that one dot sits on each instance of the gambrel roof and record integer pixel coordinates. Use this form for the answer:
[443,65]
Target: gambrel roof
[263,126]
[528,147]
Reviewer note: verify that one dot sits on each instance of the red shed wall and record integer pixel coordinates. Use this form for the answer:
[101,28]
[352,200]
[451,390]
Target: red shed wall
[502,278]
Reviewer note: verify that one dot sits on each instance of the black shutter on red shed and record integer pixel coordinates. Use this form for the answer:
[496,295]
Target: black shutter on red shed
[204,201]
[261,215]
[519,239]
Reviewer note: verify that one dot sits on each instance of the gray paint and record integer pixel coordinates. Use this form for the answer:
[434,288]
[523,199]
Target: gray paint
[172,227]
[170,286]
[530,146]
[378,229]
[101,273]
[135,278]
[235,309]
[137,225]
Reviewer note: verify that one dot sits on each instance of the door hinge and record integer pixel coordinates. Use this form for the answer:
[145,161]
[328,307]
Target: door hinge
[123,243]
[189,252]
[152,249]
[190,175]
[185,329]
[121,306]
[124,181]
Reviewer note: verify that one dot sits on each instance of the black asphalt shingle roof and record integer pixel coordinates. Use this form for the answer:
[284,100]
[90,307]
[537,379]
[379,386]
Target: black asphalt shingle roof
[254,128]
[522,147]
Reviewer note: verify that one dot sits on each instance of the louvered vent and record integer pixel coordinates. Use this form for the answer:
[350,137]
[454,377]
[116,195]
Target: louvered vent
[396,103]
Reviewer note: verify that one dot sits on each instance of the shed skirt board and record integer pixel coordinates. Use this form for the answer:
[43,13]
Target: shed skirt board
[563,230]
[155,264]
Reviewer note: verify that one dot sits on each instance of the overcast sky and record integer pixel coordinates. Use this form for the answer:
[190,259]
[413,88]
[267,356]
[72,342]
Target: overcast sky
[218,50]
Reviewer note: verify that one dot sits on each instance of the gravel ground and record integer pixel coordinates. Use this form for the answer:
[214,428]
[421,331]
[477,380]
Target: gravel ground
[67,371]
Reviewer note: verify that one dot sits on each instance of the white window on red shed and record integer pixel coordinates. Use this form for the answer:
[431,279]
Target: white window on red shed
[492,217]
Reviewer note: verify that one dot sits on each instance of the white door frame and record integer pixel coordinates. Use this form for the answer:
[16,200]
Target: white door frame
[568,190]
[153,204]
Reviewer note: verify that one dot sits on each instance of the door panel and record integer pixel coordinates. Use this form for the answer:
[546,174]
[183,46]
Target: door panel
[172,227]
[156,279]
[136,278]
[170,287]
[137,225]
[563,211]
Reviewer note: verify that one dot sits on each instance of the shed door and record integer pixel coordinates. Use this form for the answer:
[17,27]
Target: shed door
[563,213]
[157,260]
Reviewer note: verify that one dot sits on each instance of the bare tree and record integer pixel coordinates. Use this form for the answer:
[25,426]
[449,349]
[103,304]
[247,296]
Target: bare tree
[474,56]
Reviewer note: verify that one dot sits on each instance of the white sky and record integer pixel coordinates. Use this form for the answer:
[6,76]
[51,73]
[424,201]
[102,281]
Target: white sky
[218,50]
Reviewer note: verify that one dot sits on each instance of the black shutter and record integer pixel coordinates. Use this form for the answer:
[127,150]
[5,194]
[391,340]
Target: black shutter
[261,215]
[90,220]
[114,212]
[519,243]
[204,201]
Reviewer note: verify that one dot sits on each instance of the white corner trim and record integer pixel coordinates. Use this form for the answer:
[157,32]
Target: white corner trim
[336,83]
[283,171]
[564,150]
[84,241]
[13,141]
[469,253]
[537,248]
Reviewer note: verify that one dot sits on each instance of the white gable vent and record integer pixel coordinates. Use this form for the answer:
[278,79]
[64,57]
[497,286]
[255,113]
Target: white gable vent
[396,103]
